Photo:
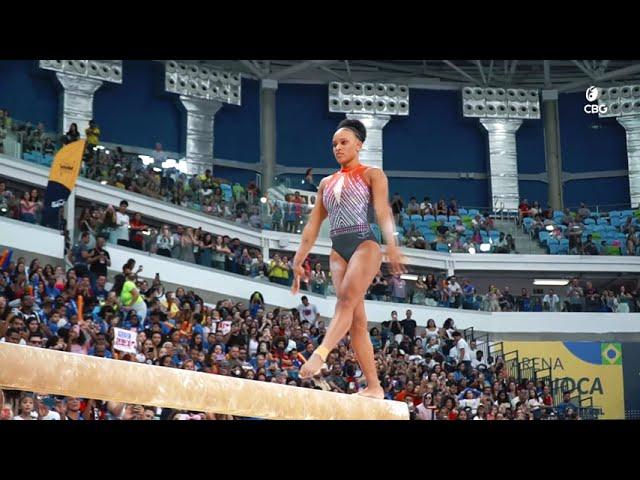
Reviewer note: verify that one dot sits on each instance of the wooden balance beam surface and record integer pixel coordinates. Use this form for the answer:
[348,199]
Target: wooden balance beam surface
[62,373]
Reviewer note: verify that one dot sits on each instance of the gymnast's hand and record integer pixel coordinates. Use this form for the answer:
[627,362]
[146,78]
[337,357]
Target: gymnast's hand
[298,273]
[396,260]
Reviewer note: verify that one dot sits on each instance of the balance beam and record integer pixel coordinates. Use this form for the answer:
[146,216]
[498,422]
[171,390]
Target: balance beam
[61,373]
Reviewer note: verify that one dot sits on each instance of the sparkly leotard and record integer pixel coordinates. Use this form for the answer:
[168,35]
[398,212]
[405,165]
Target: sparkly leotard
[347,198]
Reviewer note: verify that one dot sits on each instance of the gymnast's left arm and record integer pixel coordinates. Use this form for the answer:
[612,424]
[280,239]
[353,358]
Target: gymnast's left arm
[309,236]
[380,191]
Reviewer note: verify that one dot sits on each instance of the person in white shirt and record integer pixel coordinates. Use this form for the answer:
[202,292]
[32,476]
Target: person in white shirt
[159,156]
[455,291]
[551,301]
[461,351]
[308,311]
[122,222]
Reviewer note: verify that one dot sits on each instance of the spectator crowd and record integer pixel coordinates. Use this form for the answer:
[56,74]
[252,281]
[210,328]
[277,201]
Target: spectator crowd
[437,372]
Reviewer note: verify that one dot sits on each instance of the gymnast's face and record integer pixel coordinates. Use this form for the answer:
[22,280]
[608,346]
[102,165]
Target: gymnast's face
[346,146]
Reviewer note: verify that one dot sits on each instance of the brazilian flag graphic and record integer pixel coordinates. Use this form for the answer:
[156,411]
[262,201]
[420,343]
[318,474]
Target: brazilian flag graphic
[611,353]
[62,179]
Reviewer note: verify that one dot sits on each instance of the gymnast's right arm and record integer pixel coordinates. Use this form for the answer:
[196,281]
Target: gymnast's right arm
[309,236]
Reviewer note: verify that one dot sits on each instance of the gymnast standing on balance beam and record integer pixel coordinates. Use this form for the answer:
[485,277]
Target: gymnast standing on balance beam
[348,198]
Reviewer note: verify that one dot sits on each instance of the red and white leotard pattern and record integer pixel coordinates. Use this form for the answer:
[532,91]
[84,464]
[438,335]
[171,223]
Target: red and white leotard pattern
[347,198]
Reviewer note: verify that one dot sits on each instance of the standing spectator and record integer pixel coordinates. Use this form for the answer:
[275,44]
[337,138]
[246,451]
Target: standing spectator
[318,279]
[551,302]
[575,296]
[99,260]
[398,289]
[121,234]
[308,312]
[409,325]
[28,208]
[220,253]
[93,134]
[419,291]
[625,300]
[189,246]
[164,242]
[159,156]
[206,247]
[524,301]
[454,291]
[137,226]
[379,287]
[592,302]
[308,181]
[461,351]
[72,134]
[395,327]
[79,255]
[396,207]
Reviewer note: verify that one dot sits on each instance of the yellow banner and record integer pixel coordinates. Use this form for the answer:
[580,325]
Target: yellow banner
[66,164]
[592,368]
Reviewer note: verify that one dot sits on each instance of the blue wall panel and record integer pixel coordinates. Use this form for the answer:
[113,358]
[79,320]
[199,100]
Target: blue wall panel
[29,93]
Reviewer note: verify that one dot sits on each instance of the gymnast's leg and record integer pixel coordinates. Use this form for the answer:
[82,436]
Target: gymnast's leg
[360,271]
[360,339]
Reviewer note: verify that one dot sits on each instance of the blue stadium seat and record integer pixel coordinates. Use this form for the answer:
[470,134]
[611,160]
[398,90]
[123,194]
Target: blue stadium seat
[614,213]
[463,211]
[589,221]
[442,218]
[429,218]
[543,236]
[442,247]
[454,218]
[554,248]
[558,213]
[473,212]
[415,217]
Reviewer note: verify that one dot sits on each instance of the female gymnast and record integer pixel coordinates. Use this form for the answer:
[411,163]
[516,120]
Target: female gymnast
[348,198]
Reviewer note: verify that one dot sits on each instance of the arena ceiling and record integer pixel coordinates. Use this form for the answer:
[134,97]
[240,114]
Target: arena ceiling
[562,75]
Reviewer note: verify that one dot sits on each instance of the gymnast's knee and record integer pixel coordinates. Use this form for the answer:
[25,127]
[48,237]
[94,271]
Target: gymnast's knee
[348,301]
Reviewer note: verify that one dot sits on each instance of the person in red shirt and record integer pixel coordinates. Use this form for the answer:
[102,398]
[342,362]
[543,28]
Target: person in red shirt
[523,209]
[137,226]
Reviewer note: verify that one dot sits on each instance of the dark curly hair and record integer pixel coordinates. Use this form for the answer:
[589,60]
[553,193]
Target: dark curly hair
[356,126]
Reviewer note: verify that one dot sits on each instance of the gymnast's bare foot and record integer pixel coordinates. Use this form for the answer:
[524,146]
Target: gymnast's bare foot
[311,367]
[372,392]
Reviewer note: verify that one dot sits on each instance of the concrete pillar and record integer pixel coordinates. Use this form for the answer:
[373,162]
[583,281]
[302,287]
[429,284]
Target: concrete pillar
[552,147]
[199,138]
[77,101]
[268,132]
[372,149]
[631,124]
[503,162]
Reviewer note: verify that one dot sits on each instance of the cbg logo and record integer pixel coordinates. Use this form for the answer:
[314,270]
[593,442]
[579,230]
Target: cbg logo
[592,94]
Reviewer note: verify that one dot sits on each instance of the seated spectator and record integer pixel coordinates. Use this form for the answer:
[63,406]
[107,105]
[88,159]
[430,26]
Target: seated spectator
[441,207]
[589,248]
[413,207]
[452,208]
[426,208]
[583,211]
